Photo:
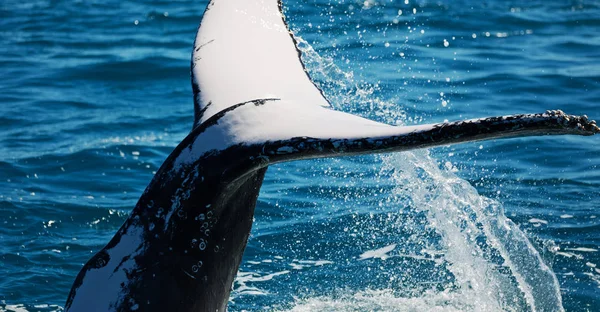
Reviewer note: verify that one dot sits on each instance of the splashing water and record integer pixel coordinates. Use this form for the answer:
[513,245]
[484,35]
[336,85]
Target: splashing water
[493,265]
[491,259]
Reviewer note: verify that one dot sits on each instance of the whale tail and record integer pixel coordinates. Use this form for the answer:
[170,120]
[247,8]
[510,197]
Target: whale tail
[288,130]
[244,53]
[254,105]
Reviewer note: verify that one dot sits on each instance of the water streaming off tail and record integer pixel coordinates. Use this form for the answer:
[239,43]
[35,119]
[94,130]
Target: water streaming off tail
[495,267]
[489,262]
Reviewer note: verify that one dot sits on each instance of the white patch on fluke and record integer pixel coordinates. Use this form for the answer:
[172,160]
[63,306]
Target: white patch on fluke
[280,120]
[245,53]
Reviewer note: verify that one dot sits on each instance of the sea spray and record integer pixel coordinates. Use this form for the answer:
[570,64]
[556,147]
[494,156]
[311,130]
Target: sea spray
[491,259]
[495,266]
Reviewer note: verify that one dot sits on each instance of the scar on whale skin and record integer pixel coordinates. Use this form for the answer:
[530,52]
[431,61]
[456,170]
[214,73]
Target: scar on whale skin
[254,105]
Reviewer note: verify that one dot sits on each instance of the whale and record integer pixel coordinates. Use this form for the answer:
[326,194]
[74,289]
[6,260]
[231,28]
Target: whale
[254,105]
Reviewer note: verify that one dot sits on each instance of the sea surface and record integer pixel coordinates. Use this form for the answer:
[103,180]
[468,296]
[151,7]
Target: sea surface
[94,95]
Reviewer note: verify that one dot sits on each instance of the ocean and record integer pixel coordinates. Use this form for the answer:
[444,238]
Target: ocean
[94,95]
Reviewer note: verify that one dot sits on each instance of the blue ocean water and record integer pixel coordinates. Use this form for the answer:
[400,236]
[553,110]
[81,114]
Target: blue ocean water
[94,95]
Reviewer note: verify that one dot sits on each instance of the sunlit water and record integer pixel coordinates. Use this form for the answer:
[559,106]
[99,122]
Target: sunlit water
[94,96]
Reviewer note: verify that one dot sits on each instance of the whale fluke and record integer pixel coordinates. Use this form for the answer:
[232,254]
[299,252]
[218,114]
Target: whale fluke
[414,137]
[254,105]
[244,51]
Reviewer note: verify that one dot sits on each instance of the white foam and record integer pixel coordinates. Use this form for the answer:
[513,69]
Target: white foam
[582,249]
[381,253]
[385,300]
[535,220]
